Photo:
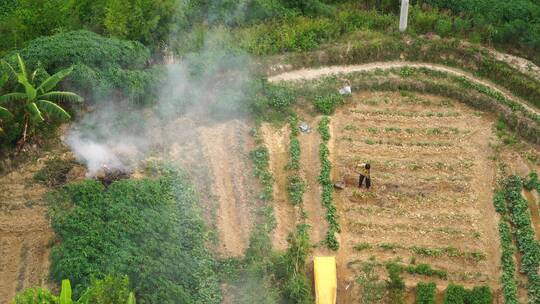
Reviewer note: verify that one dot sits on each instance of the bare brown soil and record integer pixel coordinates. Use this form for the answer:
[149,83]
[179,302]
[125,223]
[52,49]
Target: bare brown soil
[310,170]
[277,142]
[225,148]
[433,184]
[25,233]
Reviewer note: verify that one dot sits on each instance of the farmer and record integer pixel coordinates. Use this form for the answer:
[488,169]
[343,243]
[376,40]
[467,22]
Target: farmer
[363,171]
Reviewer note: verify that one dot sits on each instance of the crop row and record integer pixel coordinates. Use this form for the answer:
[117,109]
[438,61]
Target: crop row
[327,186]
[428,81]
[454,294]
[446,52]
[296,185]
[424,251]
[525,236]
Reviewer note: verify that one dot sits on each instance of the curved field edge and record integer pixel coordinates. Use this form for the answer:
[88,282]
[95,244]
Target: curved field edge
[423,78]
[368,47]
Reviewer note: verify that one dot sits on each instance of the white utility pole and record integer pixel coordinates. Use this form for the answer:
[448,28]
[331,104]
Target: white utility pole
[403,15]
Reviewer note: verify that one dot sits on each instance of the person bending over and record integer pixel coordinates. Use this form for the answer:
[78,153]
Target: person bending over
[363,171]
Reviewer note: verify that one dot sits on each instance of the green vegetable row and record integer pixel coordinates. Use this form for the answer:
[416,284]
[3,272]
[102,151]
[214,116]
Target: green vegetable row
[524,233]
[327,187]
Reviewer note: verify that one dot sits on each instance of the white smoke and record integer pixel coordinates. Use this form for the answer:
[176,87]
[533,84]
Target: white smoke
[205,85]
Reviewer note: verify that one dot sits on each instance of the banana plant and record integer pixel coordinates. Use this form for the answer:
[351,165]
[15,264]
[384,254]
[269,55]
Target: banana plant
[65,293]
[131,298]
[38,100]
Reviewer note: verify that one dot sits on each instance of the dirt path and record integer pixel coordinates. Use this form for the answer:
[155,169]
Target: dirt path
[25,233]
[277,142]
[310,170]
[346,69]
[225,148]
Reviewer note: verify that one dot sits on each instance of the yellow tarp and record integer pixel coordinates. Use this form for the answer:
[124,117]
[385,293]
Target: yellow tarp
[324,269]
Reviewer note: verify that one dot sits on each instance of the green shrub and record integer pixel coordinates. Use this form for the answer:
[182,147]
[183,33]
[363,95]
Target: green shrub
[524,233]
[454,294]
[327,104]
[102,66]
[109,290]
[443,26]
[479,295]
[149,229]
[35,295]
[425,293]
[508,279]
[280,97]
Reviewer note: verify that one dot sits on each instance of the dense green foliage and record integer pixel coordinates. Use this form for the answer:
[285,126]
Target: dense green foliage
[425,293]
[327,185]
[457,294]
[35,295]
[150,22]
[524,234]
[508,278]
[498,20]
[454,294]
[327,104]
[148,229]
[508,250]
[102,67]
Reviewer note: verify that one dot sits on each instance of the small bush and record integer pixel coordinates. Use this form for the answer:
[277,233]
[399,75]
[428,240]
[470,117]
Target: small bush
[479,295]
[35,295]
[280,98]
[443,26]
[328,103]
[425,293]
[454,294]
